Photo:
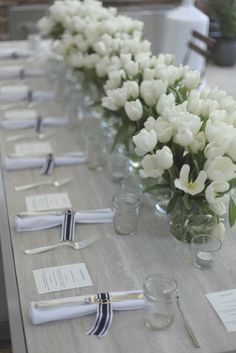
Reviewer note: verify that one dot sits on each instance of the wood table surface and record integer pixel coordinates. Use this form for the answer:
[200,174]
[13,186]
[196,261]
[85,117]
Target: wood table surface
[115,263]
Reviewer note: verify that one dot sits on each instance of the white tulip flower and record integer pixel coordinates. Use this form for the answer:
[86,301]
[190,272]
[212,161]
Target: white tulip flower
[192,79]
[189,186]
[145,142]
[198,143]
[231,149]
[132,89]
[132,68]
[164,158]
[134,110]
[118,95]
[219,231]
[164,130]
[108,103]
[194,106]
[208,106]
[165,102]
[184,136]
[149,74]
[150,124]
[214,188]
[220,169]
[214,149]
[150,168]
[152,90]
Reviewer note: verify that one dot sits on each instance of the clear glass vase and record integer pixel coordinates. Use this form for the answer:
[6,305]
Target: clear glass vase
[185,223]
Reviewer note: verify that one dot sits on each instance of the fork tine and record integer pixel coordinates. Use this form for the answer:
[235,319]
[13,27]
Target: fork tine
[86,242]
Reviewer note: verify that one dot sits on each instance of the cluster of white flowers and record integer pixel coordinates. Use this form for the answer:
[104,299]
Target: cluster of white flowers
[204,126]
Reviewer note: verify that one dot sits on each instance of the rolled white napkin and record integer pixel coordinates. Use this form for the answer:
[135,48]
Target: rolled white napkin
[38,162]
[23,114]
[14,53]
[18,93]
[39,316]
[30,123]
[16,71]
[40,222]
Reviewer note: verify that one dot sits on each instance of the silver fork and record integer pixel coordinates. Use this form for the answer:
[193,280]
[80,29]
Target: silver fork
[75,245]
[40,136]
[56,183]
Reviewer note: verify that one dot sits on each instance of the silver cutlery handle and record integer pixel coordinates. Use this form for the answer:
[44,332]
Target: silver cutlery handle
[188,327]
[42,249]
[31,186]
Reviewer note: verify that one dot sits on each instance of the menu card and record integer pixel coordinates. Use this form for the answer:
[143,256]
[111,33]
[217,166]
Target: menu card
[54,279]
[45,202]
[224,303]
[35,148]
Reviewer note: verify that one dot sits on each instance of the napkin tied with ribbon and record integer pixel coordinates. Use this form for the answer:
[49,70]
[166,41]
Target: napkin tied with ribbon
[40,222]
[102,322]
[19,163]
[10,124]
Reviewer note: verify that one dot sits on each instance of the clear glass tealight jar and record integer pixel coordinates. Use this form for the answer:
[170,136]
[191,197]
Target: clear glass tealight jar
[160,294]
[126,209]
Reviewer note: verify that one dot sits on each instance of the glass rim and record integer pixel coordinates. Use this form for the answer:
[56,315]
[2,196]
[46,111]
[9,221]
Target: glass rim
[161,276]
[124,195]
[212,240]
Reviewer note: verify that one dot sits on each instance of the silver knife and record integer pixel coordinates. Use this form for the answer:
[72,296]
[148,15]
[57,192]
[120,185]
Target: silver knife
[187,326]
[87,299]
[38,213]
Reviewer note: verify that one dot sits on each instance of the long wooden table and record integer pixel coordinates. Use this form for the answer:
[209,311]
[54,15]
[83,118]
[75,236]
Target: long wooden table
[115,263]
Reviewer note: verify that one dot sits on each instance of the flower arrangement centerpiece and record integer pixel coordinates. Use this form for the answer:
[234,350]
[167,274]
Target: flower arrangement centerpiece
[191,146]
[148,82]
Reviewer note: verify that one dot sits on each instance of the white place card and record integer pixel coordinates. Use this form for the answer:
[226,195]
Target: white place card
[34,148]
[47,202]
[224,303]
[54,279]
[22,114]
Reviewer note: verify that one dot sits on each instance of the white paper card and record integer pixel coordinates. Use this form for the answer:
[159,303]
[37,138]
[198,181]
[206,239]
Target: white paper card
[224,303]
[21,114]
[54,279]
[35,148]
[47,202]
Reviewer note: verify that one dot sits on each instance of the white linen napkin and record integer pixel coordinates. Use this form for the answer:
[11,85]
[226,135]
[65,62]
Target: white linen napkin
[14,53]
[23,114]
[31,123]
[40,222]
[39,316]
[38,162]
[16,71]
[18,93]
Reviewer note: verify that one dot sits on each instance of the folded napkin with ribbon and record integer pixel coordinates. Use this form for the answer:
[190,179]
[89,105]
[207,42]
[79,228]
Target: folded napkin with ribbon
[46,163]
[10,124]
[20,93]
[102,303]
[13,72]
[14,53]
[55,219]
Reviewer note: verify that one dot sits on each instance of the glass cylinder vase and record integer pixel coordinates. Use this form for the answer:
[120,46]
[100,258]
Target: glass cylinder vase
[187,222]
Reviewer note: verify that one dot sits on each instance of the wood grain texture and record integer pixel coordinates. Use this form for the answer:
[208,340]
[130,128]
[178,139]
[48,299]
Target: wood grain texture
[115,263]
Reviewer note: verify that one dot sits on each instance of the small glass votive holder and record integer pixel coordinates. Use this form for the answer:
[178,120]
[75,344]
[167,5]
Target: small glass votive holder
[160,294]
[126,209]
[205,250]
[117,166]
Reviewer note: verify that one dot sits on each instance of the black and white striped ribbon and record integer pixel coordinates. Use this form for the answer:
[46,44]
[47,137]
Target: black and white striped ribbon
[29,96]
[22,74]
[68,226]
[104,316]
[38,124]
[49,165]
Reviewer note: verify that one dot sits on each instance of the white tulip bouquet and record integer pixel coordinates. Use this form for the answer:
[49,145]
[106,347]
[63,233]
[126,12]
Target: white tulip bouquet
[155,86]
[190,148]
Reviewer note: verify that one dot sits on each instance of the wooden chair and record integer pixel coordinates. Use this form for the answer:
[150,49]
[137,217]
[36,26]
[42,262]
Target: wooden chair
[196,45]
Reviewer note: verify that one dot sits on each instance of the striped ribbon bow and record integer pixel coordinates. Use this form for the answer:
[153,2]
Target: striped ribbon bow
[68,226]
[49,165]
[104,316]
